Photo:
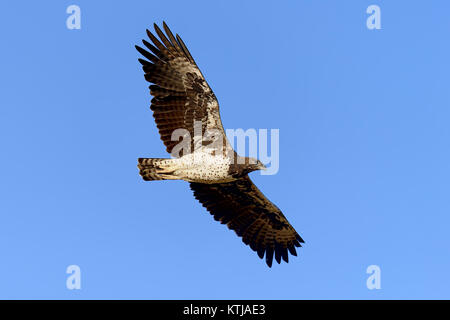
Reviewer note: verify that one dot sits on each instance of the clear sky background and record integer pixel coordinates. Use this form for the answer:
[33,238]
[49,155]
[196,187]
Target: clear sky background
[364,150]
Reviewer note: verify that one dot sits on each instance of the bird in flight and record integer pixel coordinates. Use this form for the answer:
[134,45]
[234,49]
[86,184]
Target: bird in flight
[186,109]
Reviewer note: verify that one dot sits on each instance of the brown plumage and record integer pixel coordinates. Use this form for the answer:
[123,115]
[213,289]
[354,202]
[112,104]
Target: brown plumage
[181,94]
[243,208]
[183,98]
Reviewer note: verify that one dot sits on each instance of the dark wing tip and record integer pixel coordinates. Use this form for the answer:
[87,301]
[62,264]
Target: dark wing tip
[292,250]
[269,256]
[143,62]
[141,50]
[278,257]
[158,30]
[284,255]
[299,238]
[278,252]
[260,252]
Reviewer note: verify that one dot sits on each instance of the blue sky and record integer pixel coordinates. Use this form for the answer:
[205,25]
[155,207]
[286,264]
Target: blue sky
[364,150]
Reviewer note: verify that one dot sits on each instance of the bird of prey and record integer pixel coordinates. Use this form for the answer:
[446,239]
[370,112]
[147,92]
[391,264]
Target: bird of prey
[184,102]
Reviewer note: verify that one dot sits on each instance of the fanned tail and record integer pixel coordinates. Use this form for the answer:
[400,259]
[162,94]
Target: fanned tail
[157,169]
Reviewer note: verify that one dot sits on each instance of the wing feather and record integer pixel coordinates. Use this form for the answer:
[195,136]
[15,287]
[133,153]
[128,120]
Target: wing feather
[182,97]
[244,208]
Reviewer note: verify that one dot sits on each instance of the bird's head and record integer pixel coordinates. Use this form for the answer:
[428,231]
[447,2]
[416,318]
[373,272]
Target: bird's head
[255,164]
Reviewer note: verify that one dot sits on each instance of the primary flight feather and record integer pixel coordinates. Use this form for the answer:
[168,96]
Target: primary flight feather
[185,107]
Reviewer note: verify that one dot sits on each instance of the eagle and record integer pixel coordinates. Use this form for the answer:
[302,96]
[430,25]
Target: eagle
[186,113]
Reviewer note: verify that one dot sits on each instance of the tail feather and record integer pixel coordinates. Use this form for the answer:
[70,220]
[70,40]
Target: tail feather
[156,169]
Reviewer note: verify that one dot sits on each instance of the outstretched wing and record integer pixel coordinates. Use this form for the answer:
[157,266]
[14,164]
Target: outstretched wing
[243,208]
[182,98]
